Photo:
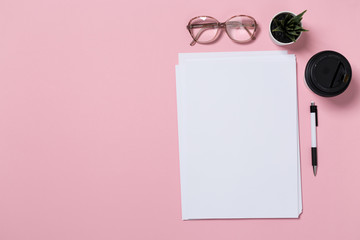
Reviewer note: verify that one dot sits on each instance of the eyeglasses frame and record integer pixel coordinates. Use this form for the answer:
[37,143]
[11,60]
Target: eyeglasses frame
[220,26]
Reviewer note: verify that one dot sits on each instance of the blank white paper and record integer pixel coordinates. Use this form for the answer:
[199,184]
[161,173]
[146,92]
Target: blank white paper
[238,138]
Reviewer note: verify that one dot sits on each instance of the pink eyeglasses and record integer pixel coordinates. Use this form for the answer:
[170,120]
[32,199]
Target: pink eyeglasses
[205,29]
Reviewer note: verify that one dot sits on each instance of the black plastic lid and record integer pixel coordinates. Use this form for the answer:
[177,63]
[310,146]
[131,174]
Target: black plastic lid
[328,73]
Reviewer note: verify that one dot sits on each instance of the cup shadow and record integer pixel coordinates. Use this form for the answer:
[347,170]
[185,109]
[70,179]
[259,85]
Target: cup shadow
[348,97]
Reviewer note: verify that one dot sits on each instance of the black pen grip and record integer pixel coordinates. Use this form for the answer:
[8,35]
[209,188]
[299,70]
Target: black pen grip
[314,156]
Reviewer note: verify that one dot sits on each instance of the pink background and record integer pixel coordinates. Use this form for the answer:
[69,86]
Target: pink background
[88,127]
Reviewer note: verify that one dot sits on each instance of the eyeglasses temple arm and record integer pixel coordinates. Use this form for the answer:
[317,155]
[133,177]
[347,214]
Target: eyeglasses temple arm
[245,27]
[206,25]
[197,36]
[250,34]
[202,30]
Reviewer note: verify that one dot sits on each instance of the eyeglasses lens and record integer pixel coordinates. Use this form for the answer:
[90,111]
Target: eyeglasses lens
[241,28]
[204,29]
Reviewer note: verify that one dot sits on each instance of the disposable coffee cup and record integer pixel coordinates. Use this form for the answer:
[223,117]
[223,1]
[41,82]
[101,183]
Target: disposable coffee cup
[328,73]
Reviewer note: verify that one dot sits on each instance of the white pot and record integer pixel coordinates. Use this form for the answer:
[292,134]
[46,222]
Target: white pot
[274,39]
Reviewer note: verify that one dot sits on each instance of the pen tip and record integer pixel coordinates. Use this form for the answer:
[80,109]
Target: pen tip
[315,170]
[312,103]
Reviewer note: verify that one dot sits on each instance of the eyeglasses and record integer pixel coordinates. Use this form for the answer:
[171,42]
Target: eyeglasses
[205,29]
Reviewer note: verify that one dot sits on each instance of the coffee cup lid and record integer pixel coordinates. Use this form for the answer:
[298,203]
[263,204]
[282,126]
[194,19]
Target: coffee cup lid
[328,73]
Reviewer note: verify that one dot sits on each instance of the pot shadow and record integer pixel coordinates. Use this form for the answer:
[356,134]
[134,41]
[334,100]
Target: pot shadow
[301,43]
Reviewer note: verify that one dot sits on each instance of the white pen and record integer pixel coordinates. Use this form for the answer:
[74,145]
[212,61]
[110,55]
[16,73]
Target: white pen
[314,124]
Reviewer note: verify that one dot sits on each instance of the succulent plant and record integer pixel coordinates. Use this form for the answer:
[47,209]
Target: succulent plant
[290,26]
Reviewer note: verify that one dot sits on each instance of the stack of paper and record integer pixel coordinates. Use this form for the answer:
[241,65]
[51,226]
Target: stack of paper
[238,135]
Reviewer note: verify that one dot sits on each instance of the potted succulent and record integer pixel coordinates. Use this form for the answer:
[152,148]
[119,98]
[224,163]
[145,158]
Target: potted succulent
[286,28]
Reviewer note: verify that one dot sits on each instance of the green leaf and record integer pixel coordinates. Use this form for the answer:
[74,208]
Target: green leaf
[292,38]
[291,21]
[278,29]
[288,17]
[290,26]
[298,18]
[294,33]
[276,22]
[301,14]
